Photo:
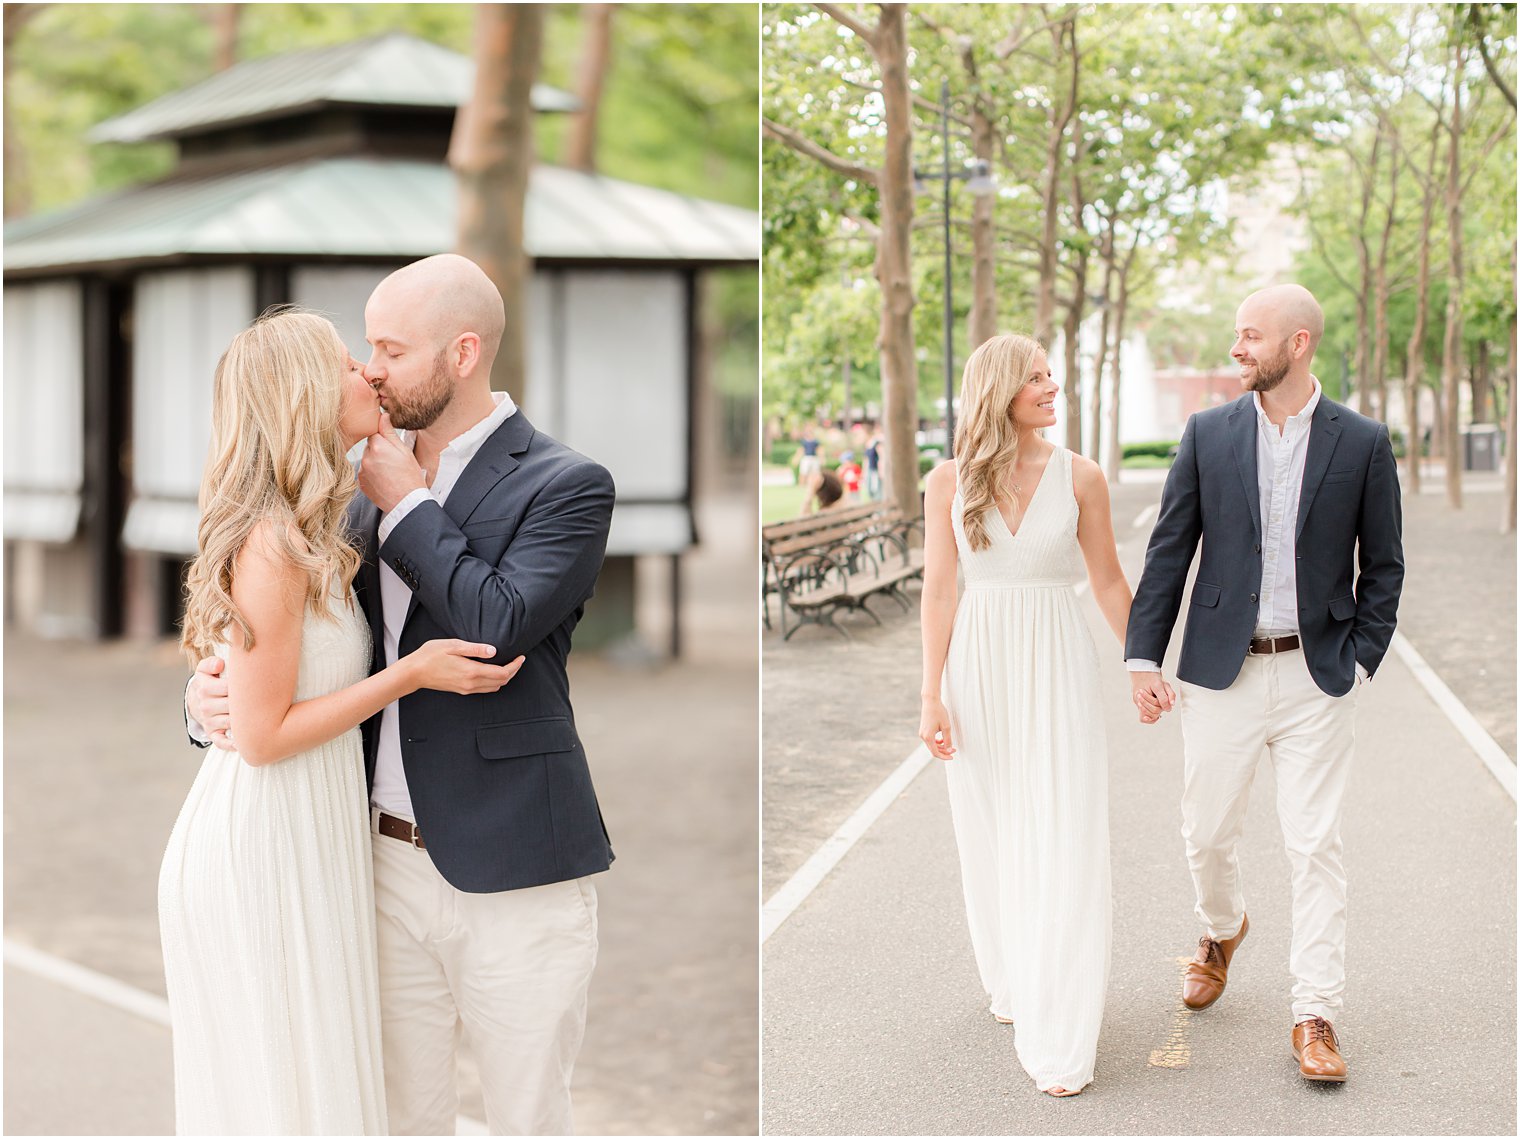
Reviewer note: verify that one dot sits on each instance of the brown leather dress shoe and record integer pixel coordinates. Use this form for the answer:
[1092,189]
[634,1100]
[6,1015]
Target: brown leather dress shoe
[1318,1052]
[1203,983]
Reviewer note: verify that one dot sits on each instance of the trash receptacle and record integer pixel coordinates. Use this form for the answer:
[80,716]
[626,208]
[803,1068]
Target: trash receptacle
[1480,447]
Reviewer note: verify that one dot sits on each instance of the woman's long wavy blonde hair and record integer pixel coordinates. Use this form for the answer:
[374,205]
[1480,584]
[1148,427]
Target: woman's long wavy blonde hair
[277,454]
[986,440]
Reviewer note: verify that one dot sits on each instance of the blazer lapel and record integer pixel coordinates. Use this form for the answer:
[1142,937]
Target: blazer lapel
[493,462]
[1243,443]
[1324,433]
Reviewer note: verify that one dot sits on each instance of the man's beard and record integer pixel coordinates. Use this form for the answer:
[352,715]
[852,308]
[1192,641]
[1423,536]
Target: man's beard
[1270,373]
[431,402]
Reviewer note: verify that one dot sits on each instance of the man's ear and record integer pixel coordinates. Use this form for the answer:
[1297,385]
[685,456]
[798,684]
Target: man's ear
[467,353]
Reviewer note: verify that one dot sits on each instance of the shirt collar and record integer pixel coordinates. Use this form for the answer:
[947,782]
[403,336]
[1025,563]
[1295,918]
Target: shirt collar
[1304,414]
[468,442]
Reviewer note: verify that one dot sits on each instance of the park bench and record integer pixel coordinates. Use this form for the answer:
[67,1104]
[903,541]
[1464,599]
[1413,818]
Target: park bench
[838,559]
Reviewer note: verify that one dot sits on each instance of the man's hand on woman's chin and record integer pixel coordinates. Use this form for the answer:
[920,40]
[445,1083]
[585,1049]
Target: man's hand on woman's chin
[388,472]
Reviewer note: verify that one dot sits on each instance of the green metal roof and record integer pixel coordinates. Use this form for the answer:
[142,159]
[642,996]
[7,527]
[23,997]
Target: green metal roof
[395,70]
[373,207]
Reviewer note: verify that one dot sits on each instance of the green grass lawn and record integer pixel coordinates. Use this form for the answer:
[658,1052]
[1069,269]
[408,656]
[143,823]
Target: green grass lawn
[778,503]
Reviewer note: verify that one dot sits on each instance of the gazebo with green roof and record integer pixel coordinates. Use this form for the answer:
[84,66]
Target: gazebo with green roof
[305,178]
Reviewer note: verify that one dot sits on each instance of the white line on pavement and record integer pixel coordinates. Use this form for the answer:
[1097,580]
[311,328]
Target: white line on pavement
[119,994]
[1498,763]
[1146,516]
[108,990]
[784,902]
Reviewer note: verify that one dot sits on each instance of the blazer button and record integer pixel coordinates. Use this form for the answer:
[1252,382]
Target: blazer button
[1253,597]
[1258,548]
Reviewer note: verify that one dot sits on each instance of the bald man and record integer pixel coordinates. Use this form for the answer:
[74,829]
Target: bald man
[486,827]
[1285,490]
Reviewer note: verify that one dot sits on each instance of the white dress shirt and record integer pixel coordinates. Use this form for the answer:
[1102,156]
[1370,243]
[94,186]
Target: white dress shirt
[1280,457]
[390,792]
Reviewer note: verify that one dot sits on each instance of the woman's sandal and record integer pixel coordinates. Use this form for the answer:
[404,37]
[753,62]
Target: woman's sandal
[1002,1019]
[1061,1093]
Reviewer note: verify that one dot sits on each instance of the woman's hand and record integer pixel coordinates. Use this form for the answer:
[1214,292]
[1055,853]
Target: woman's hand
[934,728]
[448,665]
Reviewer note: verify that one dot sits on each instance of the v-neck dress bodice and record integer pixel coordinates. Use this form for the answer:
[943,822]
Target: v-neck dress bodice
[1042,552]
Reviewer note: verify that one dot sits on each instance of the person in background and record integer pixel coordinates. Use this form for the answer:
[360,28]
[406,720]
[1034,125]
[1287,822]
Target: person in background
[824,492]
[850,476]
[810,462]
[873,465]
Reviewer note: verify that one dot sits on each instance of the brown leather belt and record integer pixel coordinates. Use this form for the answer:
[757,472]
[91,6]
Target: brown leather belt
[1262,646]
[392,827]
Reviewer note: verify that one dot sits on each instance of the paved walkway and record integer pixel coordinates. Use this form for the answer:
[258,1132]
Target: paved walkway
[96,769]
[874,1018]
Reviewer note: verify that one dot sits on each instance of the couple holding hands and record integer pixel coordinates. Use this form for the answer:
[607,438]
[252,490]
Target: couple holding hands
[1294,501]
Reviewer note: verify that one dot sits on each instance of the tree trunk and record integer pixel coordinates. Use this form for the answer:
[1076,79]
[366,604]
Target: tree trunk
[1451,355]
[1378,406]
[18,182]
[1360,355]
[1100,360]
[492,154]
[1072,358]
[1050,187]
[894,264]
[1437,424]
[1414,352]
[596,51]
[1507,520]
[1115,461]
[981,324]
[1480,381]
[224,20]
[1078,306]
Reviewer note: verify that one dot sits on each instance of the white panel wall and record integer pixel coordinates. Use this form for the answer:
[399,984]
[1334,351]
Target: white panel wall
[44,409]
[541,359]
[624,370]
[44,386]
[183,322]
[340,295]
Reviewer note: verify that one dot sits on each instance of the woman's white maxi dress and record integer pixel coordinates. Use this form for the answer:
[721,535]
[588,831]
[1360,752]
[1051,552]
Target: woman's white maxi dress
[1029,781]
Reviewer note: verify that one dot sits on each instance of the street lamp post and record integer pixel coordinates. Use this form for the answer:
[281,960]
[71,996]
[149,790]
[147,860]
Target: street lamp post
[979,181]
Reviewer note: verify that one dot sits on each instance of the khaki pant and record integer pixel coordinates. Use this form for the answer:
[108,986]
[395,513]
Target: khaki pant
[1309,736]
[511,969]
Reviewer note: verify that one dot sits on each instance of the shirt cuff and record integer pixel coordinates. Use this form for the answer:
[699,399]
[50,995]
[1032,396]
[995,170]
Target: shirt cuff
[1138,665]
[400,511]
[193,727]
[1363,673]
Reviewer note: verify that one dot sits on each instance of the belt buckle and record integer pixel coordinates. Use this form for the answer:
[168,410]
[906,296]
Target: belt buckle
[416,838]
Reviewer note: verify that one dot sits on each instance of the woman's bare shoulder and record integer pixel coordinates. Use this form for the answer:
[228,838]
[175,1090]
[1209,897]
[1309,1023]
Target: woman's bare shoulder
[942,476]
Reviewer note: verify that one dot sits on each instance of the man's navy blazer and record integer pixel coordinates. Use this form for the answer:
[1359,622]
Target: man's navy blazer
[498,781]
[1349,525]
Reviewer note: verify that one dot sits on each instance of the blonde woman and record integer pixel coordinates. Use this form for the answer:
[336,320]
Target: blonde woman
[265,901]
[1011,701]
